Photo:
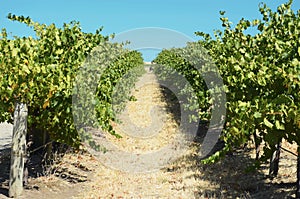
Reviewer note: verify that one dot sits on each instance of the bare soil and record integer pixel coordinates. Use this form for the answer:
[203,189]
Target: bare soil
[79,175]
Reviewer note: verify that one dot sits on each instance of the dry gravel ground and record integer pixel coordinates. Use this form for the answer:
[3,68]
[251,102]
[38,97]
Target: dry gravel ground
[79,175]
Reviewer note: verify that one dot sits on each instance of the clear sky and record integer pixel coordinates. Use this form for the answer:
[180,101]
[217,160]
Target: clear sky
[185,16]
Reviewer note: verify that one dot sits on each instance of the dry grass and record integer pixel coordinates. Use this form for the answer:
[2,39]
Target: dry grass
[139,112]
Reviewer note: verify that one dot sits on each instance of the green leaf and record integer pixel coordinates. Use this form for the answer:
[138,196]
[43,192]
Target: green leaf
[237,67]
[267,123]
[279,126]
[14,52]
[25,68]
[257,115]
[59,51]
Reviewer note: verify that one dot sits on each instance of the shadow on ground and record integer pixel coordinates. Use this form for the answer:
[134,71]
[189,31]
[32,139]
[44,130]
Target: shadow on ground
[4,170]
[36,166]
[231,177]
[35,169]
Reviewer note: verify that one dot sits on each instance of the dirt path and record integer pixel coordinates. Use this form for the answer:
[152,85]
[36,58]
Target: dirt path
[82,176]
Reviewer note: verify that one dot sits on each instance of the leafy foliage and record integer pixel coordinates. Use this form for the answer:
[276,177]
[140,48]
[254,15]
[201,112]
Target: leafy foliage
[41,72]
[172,61]
[261,74]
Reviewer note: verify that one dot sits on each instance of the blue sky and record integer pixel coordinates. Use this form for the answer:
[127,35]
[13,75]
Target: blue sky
[116,16]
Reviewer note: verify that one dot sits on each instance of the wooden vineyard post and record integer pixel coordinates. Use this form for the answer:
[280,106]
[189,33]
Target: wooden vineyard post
[18,150]
[274,162]
[257,149]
